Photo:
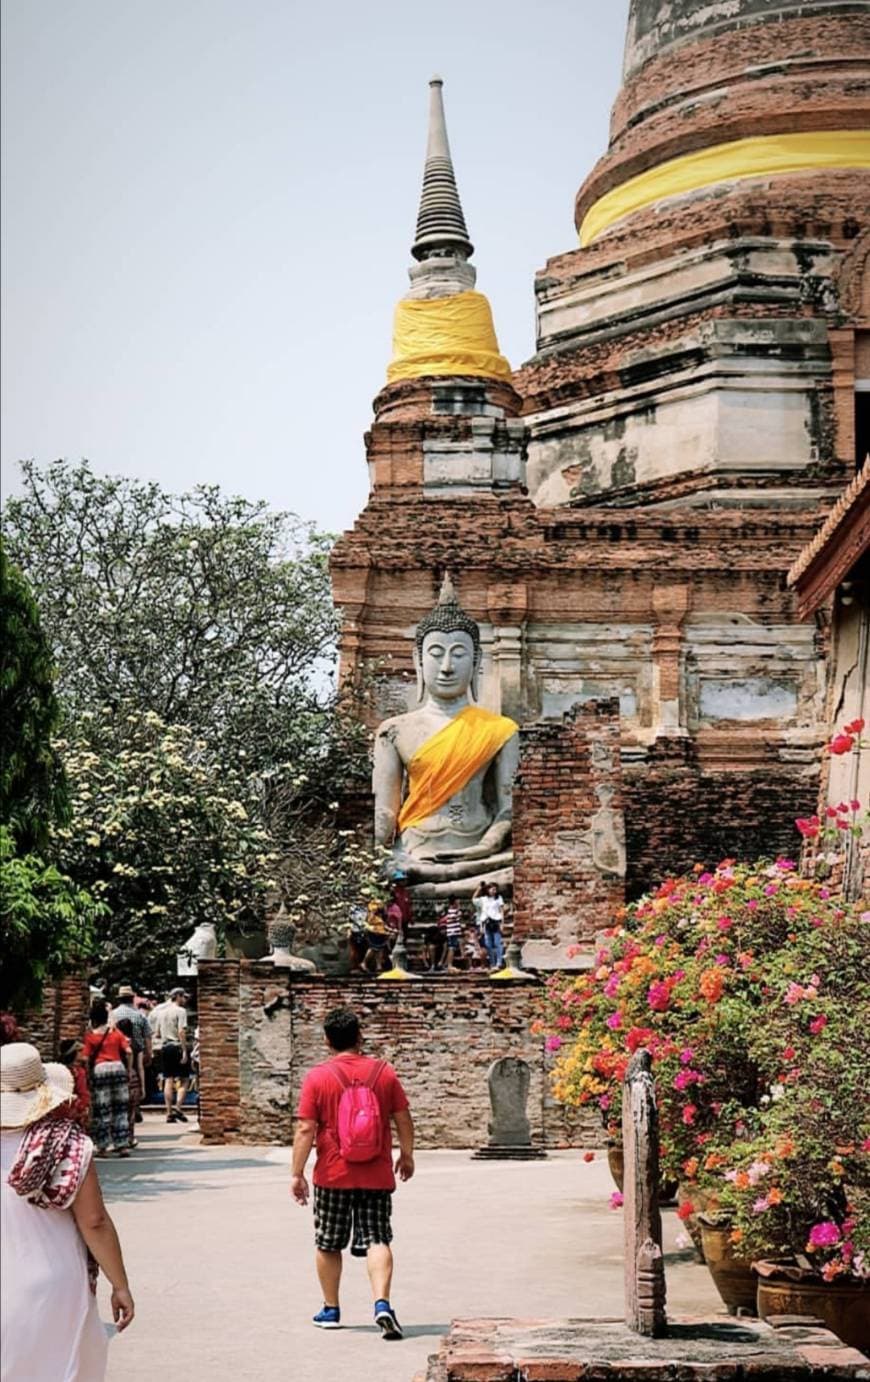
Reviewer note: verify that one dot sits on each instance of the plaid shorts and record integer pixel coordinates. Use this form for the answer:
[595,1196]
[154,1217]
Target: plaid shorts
[337,1212]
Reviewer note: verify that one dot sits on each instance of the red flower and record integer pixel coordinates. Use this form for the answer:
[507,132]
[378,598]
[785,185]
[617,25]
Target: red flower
[808,826]
[689,1112]
[686,1210]
[638,1036]
[588,1156]
[841,743]
[856,727]
[818,1024]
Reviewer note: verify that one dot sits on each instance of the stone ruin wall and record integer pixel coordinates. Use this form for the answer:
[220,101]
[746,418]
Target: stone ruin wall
[441,1036]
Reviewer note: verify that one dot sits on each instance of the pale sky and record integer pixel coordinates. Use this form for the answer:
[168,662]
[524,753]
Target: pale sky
[208,207]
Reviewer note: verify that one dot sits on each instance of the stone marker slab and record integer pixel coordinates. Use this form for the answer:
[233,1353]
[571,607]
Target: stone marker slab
[510,1136]
[578,1350]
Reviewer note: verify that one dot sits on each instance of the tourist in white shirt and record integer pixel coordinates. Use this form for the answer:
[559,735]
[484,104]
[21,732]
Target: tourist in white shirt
[492,916]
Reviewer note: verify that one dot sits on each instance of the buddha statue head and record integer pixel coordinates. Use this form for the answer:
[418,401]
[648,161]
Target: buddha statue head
[447,650]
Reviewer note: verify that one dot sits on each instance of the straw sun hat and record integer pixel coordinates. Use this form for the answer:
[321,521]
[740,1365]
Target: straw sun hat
[28,1089]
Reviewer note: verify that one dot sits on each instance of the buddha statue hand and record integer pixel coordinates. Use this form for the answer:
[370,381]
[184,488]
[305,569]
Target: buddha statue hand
[492,842]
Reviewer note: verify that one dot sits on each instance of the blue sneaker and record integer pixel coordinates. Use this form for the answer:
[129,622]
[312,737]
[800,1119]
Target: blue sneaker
[327,1318]
[385,1319]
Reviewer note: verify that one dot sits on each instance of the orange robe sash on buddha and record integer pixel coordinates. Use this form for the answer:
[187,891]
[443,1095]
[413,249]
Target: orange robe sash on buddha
[445,763]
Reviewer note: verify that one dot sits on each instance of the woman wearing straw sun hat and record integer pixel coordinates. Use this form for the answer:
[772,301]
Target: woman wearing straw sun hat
[54,1220]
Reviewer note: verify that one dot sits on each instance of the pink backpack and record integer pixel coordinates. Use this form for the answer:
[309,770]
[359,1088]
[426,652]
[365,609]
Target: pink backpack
[360,1122]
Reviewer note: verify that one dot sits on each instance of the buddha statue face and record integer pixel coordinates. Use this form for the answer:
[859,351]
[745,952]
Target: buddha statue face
[448,662]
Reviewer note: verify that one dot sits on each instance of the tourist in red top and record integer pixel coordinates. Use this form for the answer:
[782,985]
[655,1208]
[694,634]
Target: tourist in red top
[109,1056]
[346,1105]
[80,1109]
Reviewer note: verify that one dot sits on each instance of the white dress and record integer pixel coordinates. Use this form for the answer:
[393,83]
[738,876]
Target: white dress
[51,1331]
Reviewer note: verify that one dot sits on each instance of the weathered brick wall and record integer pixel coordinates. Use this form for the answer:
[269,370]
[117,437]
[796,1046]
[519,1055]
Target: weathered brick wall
[261,1031]
[63,1014]
[676,815]
[569,839]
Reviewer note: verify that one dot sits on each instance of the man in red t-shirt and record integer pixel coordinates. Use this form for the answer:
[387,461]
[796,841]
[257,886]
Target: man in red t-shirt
[352,1199]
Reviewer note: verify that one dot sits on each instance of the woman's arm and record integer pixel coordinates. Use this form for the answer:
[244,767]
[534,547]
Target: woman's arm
[95,1225]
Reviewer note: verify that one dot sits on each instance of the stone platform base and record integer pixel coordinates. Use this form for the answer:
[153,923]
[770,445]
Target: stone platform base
[505,1153]
[605,1351]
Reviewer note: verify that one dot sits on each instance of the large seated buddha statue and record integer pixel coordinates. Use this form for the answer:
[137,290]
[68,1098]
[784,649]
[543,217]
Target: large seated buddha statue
[443,772]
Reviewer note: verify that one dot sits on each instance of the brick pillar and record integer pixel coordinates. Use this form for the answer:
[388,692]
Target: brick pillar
[670,606]
[219,1082]
[569,834]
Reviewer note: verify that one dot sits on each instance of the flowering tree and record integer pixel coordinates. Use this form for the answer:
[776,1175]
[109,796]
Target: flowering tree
[742,982]
[162,835]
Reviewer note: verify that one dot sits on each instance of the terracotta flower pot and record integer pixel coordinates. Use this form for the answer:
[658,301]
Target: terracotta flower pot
[733,1276]
[616,1162]
[843,1304]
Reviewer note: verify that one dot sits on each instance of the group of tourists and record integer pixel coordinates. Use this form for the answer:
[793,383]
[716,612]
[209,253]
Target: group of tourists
[59,1235]
[451,942]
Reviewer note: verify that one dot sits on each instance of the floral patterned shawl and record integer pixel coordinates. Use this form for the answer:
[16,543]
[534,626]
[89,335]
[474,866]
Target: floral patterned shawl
[50,1168]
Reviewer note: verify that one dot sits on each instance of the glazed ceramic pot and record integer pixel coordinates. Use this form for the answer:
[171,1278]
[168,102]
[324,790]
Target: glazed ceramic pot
[843,1305]
[732,1276]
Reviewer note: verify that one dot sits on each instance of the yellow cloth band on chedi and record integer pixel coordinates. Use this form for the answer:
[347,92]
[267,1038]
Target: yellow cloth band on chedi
[758,157]
[445,335]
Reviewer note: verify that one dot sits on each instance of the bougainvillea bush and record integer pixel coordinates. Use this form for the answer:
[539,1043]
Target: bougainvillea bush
[749,986]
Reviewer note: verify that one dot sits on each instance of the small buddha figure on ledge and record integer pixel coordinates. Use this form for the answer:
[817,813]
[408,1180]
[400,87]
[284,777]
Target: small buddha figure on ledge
[443,773]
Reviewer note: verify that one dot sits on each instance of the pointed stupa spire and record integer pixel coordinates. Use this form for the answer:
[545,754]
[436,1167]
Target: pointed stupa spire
[440,221]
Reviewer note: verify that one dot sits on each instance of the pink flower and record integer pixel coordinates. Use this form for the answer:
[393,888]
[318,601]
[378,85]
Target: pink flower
[724,924]
[722,960]
[604,1102]
[687,1055]
[689,1112]
[614,1021]
[751,905]
[823,1235]
[659,995]
[612,985]
[785,865]
[818,1024]
[760,1205]
[771,890]
[553,1043]
[616,1200]
[705,878]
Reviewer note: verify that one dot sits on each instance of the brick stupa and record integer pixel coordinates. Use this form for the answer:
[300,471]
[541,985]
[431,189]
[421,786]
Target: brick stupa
[620,513]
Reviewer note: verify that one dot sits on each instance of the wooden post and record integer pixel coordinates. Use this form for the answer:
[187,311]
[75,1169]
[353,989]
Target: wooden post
[644,1264]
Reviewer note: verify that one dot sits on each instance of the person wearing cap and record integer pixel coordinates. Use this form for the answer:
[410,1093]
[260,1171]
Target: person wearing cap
[169,1030]
[140,1040]
[53,1220]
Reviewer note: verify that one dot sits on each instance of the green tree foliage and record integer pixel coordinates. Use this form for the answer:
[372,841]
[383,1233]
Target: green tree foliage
[32,787]
[209,611]
[205,742]
[46,924]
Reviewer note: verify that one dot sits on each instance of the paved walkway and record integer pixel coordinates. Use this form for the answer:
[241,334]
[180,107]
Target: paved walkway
[220,1260]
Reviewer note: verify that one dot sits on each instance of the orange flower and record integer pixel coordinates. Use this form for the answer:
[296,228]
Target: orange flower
[713,1160]
[741,1181]
[785,1147]
[691,1167]
[736,1235]
[712,984]
[774,1195]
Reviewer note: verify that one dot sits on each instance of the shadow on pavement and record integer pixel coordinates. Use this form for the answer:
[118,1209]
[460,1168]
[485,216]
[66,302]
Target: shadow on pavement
[410,1331]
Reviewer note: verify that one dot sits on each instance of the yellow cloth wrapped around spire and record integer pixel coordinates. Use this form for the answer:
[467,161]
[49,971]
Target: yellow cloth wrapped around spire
[452,335]
[764,155]
[445,763]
